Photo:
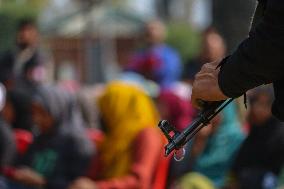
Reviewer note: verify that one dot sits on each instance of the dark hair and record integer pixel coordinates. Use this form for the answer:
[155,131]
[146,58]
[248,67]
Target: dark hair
[25,22]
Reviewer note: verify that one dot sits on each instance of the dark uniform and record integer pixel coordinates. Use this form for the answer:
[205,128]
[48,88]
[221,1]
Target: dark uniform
[259,59]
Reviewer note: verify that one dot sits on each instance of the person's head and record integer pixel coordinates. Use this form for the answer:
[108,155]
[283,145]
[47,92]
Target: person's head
[155,32]
[123,103]
[194,180]
[126,111]
[49,109]
[174,109]
[27,34]
[213,46]
[260,106]
[42,118]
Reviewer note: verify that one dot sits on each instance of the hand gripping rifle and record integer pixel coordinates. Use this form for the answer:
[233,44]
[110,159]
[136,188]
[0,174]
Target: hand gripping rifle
[176,139]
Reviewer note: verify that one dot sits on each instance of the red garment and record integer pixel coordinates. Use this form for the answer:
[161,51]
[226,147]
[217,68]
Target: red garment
[178,111]
[95,135]
[23,140]
[147,160]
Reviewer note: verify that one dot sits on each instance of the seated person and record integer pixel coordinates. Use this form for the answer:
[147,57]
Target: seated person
[261,156]
[60,152]
[157,61]
[129,155]
[215,146]
[179,113]
[175,109]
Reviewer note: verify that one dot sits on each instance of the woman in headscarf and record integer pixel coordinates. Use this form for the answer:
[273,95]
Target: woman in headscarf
[132,147]
[60,152]
[175,109]
[214,150]
[261,156]
[178,112]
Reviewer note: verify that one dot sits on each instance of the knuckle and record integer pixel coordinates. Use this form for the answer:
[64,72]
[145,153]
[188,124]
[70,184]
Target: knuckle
[207,65]
[203,67]
[197,76]
[206,68]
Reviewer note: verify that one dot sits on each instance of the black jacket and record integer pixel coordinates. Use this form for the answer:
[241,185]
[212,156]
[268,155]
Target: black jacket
[7,64]
[259,59]
[261,153]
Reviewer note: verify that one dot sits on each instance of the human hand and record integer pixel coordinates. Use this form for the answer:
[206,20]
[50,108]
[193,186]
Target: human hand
[29,177]
[205,85]
[83,183]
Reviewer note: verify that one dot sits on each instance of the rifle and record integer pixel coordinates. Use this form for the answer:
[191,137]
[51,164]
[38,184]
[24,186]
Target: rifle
[176,139]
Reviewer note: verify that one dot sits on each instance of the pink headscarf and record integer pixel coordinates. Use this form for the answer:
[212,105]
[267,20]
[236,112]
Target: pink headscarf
[179,112]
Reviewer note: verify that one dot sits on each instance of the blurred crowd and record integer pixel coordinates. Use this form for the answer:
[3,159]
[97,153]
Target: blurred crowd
[57,136]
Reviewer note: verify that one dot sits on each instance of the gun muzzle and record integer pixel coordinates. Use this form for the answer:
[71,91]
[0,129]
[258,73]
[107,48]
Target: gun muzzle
[176,139]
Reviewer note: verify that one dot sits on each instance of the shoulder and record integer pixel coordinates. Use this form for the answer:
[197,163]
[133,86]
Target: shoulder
[149,137]
[79,143]
[171,50]
[150,132]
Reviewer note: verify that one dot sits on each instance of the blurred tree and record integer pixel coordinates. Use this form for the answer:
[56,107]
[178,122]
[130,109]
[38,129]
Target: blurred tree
[232,19]
[186,40]
[11,11]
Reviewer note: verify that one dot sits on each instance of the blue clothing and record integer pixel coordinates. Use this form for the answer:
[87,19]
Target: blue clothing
[161,63]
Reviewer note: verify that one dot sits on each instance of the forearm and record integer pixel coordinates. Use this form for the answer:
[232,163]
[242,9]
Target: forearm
[259,59]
